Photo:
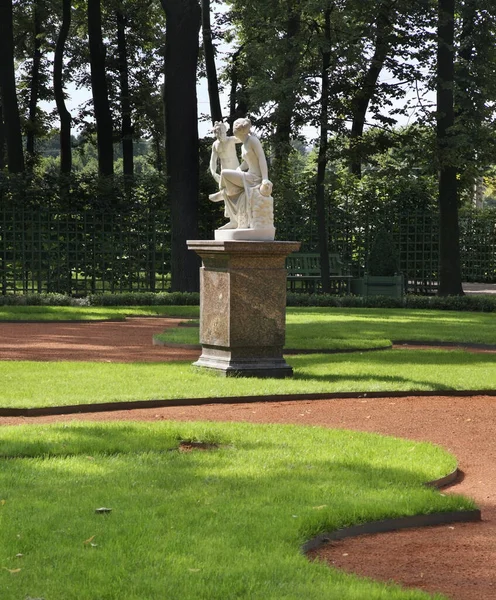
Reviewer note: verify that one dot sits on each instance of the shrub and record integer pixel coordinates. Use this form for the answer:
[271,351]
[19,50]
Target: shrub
[383,258]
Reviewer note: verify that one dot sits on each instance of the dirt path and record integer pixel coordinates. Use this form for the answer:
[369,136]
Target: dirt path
[107,341]
[458,560]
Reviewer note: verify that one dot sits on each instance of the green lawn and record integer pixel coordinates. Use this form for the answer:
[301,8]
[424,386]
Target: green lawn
[347,328]
[318,325]
[92,313]
[32,384]
[218,524]
[314,328]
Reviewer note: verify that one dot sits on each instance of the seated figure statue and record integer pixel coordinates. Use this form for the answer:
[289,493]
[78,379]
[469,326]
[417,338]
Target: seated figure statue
[246,189]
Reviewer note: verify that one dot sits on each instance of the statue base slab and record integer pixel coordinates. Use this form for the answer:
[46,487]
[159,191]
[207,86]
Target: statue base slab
[244,362]
[243,306]
[268,234]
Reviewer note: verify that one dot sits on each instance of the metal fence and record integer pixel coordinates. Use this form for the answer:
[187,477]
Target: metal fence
[86,252]
[43,250]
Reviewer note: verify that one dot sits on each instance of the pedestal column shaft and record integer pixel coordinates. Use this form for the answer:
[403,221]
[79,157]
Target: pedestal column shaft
[243,306]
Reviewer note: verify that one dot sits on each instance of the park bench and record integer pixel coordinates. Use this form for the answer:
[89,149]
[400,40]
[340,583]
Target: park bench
[304,273]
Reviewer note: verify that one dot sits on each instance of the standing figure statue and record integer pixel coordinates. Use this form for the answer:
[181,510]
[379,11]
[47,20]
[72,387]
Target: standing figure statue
[245,189]
[223,149]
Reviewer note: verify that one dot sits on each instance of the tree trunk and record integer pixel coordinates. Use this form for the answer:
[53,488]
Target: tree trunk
[469,105]
[238,105]
[2,139]
[181,137]
[34,88]
[58,90]
[449,262]
[208,50]
[99,88]
[366,91]
[287,100]
[126,124]
[322,218]
[12,121]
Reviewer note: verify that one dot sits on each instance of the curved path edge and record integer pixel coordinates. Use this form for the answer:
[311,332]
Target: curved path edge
[174,402]
[386,525]
[461,516]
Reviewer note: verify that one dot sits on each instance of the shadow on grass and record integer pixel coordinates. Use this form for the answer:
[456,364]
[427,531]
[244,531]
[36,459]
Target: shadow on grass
[376,323]
[397,357]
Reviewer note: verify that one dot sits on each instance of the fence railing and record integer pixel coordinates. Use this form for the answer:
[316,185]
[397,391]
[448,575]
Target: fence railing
[86,252]
[43,250]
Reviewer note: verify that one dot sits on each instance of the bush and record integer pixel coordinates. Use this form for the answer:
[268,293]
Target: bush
[33,299]
[383,259]
[475,303]
[146,299]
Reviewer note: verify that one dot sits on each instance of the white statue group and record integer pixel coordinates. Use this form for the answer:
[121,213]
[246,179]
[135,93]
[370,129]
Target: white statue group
[244,188]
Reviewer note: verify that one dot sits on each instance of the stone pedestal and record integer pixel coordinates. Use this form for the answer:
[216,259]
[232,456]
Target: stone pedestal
[243,306]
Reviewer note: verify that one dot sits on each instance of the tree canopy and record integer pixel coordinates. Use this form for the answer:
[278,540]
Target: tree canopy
[351,72]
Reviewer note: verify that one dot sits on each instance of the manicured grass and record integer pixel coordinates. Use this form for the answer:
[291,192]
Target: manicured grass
[218,524]
[316,325]
[31,384]
[307,328]
[347,328]
[92,313]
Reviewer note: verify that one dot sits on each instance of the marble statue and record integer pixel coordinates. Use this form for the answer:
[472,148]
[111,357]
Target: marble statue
[245,189]
[223,149]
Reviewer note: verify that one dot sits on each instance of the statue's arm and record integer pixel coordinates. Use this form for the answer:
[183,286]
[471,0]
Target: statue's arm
[213,164]
[262,161]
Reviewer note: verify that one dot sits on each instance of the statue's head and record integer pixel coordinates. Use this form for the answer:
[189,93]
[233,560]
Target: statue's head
[220,130]
[241,126]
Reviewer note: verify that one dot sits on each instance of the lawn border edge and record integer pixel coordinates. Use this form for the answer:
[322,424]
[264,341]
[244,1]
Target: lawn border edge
[388,525]
[175,402]
[395,524]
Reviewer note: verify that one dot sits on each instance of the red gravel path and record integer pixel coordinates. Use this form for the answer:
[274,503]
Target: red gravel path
[458,560]
[107,341]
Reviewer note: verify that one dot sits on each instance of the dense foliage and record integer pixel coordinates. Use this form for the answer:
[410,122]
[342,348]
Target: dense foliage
[345,73]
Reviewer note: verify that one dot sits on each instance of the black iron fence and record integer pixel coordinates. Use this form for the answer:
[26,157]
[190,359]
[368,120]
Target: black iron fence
[45,250]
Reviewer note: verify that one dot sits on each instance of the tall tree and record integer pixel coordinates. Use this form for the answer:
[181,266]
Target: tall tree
[99,87]
[125,99]
[58,88]
[322,219]
[238,95]
[384,29]
[475,90]
[35,76]
[2,139]
[287,76]
[181,134]
[209,54]
[449,264]
[13,136]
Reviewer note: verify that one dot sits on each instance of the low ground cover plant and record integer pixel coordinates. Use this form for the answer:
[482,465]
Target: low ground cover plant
[227,522]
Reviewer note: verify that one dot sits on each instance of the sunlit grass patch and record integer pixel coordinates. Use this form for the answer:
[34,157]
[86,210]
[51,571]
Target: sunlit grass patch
[226,523]
[92,313]
[368,328]
[32,384]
